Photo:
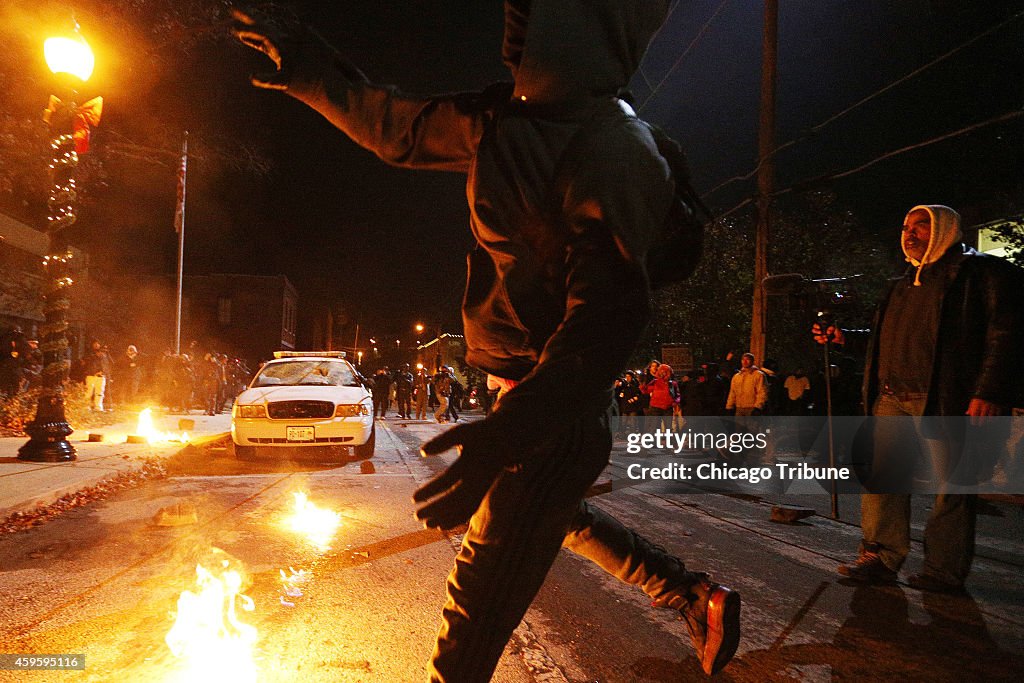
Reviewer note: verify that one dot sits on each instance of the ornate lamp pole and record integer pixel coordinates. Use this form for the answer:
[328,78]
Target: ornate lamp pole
[69,57]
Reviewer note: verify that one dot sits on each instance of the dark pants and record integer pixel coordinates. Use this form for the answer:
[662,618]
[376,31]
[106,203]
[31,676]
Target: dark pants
[210,400]
[380,402]
[514,538]
[404,403]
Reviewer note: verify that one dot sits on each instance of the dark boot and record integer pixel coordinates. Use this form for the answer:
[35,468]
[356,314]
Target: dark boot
[712,614]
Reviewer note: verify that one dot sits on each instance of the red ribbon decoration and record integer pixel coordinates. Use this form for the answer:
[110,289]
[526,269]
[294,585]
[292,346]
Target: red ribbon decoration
[86,116]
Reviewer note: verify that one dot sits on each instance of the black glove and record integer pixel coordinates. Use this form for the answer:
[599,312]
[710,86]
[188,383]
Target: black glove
[302,57]
[457,492]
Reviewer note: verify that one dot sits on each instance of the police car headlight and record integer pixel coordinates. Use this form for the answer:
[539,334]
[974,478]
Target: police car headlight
[252,411]
[351,410]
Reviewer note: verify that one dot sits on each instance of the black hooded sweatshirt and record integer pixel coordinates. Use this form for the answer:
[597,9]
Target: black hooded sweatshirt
[557,294]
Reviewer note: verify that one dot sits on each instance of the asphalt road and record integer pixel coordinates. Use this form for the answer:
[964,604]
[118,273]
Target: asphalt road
[104,579]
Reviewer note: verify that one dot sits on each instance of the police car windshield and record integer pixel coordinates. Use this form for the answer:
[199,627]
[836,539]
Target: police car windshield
[306,373]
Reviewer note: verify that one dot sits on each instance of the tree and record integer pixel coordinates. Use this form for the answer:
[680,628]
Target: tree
[1012,233]
[813,235]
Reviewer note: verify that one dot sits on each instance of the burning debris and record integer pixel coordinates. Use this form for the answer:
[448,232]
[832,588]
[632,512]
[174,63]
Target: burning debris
[212,643]
[290,585]
[296,577]
[146,432]
[179,514]
[316,524]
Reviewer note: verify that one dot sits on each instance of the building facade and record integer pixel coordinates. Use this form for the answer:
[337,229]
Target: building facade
[248,316]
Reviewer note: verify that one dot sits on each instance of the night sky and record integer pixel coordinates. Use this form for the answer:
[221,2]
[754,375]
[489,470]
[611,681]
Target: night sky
[389,244]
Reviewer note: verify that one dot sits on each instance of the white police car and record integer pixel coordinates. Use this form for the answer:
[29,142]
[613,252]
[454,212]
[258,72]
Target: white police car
[301,401]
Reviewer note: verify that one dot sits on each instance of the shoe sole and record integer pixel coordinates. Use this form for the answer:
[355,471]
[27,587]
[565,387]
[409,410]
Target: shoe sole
[723,630]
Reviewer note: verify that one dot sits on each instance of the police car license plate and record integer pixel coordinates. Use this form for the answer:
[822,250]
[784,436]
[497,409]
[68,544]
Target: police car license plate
[300,433]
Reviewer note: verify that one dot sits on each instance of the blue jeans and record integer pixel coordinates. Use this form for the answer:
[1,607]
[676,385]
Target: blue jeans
[885,517]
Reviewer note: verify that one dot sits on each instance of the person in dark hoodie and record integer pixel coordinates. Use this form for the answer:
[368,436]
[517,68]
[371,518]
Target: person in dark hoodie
[557,297]
[946,341]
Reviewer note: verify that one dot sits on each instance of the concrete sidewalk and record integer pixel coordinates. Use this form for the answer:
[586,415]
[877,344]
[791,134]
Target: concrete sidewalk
[24,486]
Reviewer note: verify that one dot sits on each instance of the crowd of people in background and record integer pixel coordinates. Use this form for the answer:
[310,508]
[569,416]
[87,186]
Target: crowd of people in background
[194,379]
[209,380]
[439,394]
[717,388]
[21,362]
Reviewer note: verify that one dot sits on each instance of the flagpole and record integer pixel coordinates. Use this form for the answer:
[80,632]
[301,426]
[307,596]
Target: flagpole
[179,227]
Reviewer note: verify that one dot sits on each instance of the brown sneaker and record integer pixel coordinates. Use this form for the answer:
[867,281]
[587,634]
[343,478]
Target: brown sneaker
[712,614]
[868,568]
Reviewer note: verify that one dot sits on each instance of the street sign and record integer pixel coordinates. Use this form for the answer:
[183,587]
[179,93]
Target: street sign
[679,356]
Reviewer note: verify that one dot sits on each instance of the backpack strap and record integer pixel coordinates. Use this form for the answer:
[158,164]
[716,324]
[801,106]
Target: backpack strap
[676,250]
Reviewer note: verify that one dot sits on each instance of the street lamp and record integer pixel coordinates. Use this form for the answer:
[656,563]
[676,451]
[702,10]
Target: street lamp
[438,357]
[69,57]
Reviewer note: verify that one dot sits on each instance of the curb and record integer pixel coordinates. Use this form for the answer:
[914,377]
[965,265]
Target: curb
[95,477]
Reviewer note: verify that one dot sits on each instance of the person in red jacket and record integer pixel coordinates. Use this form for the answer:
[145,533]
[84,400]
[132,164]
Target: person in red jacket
[661,389]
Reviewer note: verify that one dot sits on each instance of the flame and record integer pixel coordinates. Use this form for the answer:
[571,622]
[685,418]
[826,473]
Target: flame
[290,585]
[207,635]
[296,576]
[146,428]
[316,524]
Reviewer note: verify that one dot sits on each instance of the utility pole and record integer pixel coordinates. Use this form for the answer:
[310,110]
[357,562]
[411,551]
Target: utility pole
[765,177]
[179,227]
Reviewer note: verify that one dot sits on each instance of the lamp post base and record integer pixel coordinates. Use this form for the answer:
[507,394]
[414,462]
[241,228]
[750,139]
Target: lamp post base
[47,451]
[48,432]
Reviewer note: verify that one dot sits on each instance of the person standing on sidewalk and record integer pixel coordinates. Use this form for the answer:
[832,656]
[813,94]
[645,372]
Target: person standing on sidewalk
[129,375]
[97,370]
[946,341]
[569,194]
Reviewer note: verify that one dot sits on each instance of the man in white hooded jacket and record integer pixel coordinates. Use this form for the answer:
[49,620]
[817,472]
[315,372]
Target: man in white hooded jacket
[946,342]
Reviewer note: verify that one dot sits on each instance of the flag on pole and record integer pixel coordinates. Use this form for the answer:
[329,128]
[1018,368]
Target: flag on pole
[179,210]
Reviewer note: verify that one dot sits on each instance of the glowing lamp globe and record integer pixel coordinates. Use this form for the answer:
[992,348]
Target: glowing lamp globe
[69,55]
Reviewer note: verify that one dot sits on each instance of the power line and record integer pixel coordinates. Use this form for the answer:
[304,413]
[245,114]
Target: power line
[700,34]
[1008,116]
[668,17]
[814,130]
